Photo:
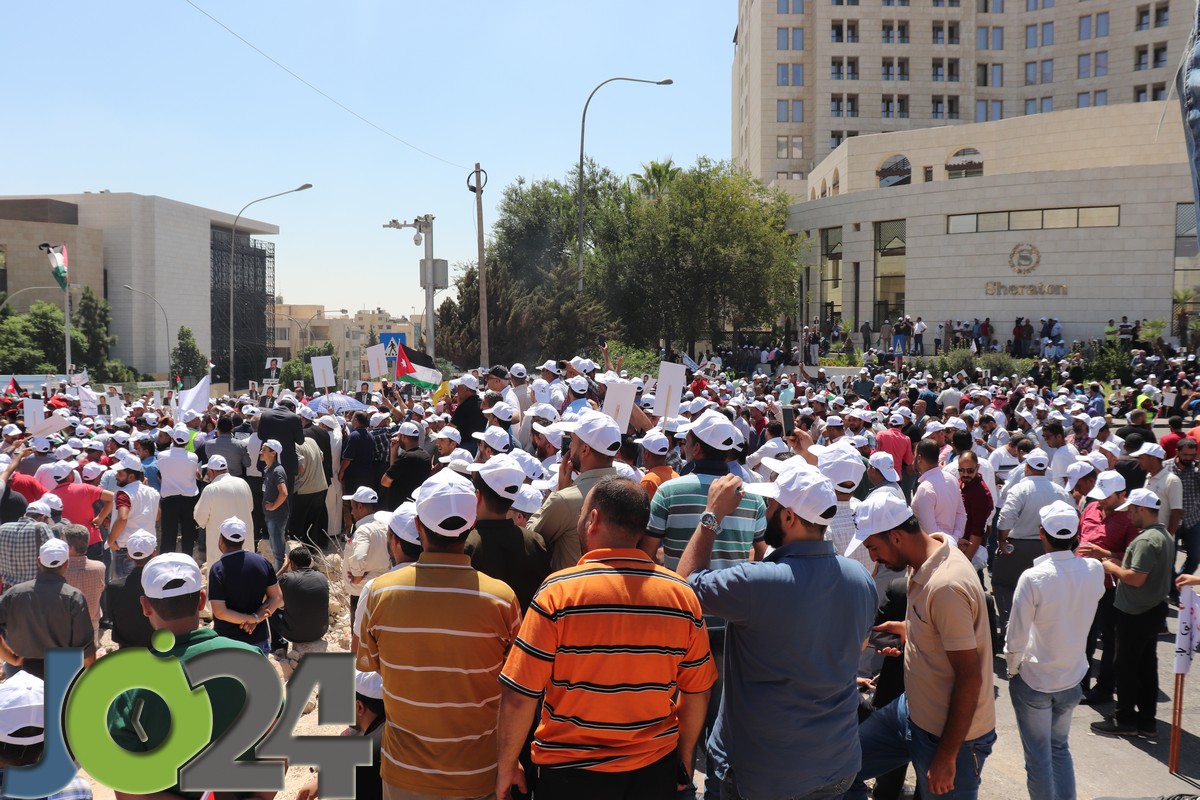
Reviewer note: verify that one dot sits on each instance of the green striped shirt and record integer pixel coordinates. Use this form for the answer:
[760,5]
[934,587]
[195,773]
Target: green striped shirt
[675,512]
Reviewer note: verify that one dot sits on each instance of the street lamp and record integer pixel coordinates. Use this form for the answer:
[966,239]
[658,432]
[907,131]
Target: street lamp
[582,127]
[232,241]
[303,328]
[166,322]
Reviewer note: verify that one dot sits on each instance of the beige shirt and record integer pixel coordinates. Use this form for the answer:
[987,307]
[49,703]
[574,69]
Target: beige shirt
[946,611]
[557,521]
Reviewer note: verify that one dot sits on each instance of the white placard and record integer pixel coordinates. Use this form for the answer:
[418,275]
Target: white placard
[669,389]
[116,406]
[51,424]
[156,396]
[619,397]
[35,411]
[322,367]
[1169,399]
[88,402]
[376,360]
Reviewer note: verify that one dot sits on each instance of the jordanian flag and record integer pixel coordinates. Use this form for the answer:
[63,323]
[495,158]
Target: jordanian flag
[413,366]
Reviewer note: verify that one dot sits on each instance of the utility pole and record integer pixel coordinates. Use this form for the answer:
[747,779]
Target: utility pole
[434,274]
[480,181]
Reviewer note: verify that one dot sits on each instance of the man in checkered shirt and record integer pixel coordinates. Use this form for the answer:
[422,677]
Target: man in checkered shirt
[19,543]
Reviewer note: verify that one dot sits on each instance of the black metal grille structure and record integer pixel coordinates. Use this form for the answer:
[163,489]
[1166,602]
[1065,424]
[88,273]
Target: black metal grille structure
[253,304]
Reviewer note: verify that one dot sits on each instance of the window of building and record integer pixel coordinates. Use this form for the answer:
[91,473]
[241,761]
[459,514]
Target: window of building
[938,70]
[1030,106]
[836,138]
[1083,100]
[1037,219]
[831,272]
[1031,73]
[1141,94]
[797,147]
[1047,105]
[887,70]
[937,107]
[837,32]
[782,39]
[1162,16]
[929,174]
[781,110]
[986,38]
[1031,5]
[1160,55]
[851,69]
[939,33]
[1047,34]
[781,176]
[961,223]
[1141,59]
[989,74]
[1102,24]
[1085,65]
[1025,220]
[1085,28]
[836,105]
[1187,257]
[1031,36]
[797,176]
[797,74]
[1101,64]
[782,6]
[890,268]
[989,6]
[1100,97]
[1143,19]
[797,111]
[837,69]
[1158,91]
[782,73]
[895,171]
[1060,218]
[1048,71]
[781,147]
[965,163]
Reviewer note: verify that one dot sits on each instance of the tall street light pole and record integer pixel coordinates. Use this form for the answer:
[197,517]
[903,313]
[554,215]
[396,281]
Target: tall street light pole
[232,242]
[424,228]
[166,322]
[582,128]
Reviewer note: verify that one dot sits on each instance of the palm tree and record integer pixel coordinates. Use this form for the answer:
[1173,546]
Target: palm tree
[655,178]
[1180,299]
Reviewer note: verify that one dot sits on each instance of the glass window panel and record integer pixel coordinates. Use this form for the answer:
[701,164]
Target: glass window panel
[962,223]
[1085,28]
[781,110]
[997,74]
[1060,218]
[1047,33]
[781,6]
[797,111]
[1102,24]
[993,222]
[1101,63]
[981,36]
[1048,71]
[1102,217]
[797,38]
[781,75]
[1025,220]
[997,38]
[1030,36]
[1101,98]
[781,38]
[1030,106]
[997,109]
[781,147]
[1047,105]
[981,107]
[1083,100]
[1031,73]
[797,74]
[1085,65]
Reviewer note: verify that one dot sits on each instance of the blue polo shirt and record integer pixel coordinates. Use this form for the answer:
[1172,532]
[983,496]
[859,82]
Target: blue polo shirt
[796,623]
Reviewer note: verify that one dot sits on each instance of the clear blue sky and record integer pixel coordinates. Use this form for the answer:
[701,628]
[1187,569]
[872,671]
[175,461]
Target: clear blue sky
[151,96]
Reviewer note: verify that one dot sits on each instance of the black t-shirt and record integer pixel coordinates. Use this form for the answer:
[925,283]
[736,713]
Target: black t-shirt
[241,579]
[306,603]
[468,418]
[1134,475]
[408,471]
[131,627]
[517,556]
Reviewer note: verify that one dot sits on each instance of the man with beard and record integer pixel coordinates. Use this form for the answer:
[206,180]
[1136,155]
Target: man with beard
[795,628]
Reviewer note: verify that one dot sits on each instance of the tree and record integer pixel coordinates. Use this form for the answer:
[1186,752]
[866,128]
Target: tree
[186,359]
[372,336]
[656,178]
[93,317]
[575,319]
[513,318]
[299,368]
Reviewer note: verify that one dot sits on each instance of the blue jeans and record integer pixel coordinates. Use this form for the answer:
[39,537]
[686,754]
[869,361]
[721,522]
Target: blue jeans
[1044,722]
[890,739]
[832,791]
[1189,537]
[277,531]
[120,566]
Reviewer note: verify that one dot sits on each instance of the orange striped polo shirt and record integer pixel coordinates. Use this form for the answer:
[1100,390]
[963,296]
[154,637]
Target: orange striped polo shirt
[608,642]
[438,633]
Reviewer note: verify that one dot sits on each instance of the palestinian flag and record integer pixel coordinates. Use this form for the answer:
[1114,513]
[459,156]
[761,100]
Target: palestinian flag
[413,366]
[57,254]
[14,389]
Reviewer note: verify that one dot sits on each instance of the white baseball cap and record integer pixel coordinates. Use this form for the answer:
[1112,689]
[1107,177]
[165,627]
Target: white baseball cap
[37,508]
[181,435]
[502,474]
[528,501]
[61,469]
[501,411]
[233,529]
[365,495]
[40,444]
[843,468]
[1037,458]
[273,445]
[552,366]
[410,429]
[53,553]
[578,384]
[533,468]
[883,461]
[217,463]
[11,430]
[713,429]
[64,452]
[656,442]
[552,432]
[879,513]
[1059,520]
[93,470]
[446,507]
[495,438]
[803,490]
[1076,471]
[170,575]
[22,705]
[368,684]
[448,433]
[1108,483]
[52,501]
[468,381]
[598,431]
[1150,449]
[1141,497]
[403,524]
[141,543]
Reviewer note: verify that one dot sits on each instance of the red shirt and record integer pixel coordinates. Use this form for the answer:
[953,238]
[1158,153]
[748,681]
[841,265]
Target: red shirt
[898,445]
[27,486]
[1170,443]
[79,501]
[1113,533]
[977,501]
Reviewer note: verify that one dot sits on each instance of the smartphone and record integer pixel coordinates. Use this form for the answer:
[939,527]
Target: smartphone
[566,446]
[789,420]
[602,341]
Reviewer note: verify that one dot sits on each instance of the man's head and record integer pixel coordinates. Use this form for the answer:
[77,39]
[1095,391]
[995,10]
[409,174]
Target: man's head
[800,504]
[361,419]
[1059,526]
[1185,452]
[655,446]
[497,483]
[614,515]
[1137,417]
[886,527]
[404,541]
[968,467]
[22,720]
[363,503]
[595,441]
[142,545]
[1036,462]
[446,440]
[270,451]
[76,537]
[446,511]
[300,557]
[1143,506]
[1150,457]
[927,455]
[216,467]
[368,699]
[173,594]
[233,535]
[38,511]
[1053,434]
[1109,490]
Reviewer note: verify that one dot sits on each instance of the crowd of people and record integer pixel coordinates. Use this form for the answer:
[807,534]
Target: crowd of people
[794,584]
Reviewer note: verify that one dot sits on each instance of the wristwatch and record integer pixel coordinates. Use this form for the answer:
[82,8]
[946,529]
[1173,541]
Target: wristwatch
[708,521]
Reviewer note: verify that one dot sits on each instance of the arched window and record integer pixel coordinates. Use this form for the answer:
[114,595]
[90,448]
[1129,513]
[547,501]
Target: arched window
[824,188]
[835,188]
[896,171]
[812,194]
[966,163]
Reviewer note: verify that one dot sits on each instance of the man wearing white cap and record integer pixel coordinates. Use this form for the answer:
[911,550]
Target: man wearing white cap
[224,496]
[945,721]
[409,467]
[801,617]
[655,448]
[23,735]
[43,614]
[308,519]
[497,546]
[772,447]
[881,472]
[140,720]
[595,439]
[1164,483]
[19,543]
[131,626]
[80,501]
[1045,650]
[369,721]
[468,414]
[178,469]
[1017,528]
[135,507]
[277,506]
[440,616]
[243,588]
[1144,578]
[366,553]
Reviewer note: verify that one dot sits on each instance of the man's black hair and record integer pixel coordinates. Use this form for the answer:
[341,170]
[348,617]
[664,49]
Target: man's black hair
[300,556]
[372,704]
[961,441]
[1052,428]
[775,428]
[494,501]
[928,451]
[622,504]
[179,607]
[224,425]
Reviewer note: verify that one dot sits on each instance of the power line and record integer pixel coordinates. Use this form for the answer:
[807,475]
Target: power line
[331,99]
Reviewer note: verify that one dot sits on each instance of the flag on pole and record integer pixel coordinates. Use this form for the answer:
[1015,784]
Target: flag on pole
[1185,634]
[441,391]
[974,349]
[415,367]
[57,254]
[178,382]
[209,366]
[196,398]
[14,389]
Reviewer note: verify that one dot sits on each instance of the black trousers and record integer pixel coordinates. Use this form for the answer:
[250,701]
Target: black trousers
[307,522]
[1104,627]
[1137,665]
[260,522]
[178,523]
[654,782]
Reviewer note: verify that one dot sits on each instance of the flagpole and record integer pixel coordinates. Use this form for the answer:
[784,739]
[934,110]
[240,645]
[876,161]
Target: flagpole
[67,326]
[1176,725]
